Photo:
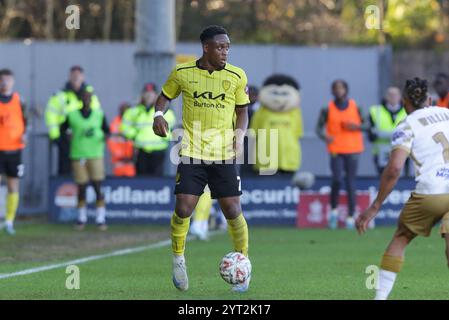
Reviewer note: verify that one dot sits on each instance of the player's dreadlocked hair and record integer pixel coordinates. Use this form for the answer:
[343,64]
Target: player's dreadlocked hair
[416,91]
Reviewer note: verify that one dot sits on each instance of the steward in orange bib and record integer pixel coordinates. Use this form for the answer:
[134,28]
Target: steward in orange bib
[340,125]
[12,131]
[121,149]
[441,86]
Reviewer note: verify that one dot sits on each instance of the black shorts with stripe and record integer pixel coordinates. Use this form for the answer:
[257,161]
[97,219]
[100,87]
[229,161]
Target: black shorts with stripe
[11,164]
[222,178]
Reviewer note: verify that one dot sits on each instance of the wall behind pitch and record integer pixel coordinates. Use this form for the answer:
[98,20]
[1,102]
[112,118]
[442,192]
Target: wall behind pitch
[42,67]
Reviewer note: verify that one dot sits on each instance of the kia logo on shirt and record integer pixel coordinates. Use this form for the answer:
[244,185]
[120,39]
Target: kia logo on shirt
[209,95]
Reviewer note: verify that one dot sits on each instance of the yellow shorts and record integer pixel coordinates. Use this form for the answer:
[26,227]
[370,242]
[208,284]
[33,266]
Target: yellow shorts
[422,212]
[88,170]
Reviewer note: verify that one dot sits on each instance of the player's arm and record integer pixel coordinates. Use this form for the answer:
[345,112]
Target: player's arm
[241,125]
[23,106]
[160,125]
[171,90]
[402,143]
[320,128]
[241,111]
[390,176]
[25,120]
[105,127]
[372,132]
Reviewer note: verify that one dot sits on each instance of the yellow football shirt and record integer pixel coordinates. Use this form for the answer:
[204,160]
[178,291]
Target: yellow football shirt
[208,112]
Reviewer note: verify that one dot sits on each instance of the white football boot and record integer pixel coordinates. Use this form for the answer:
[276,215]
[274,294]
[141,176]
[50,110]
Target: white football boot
[242,287]
[180,278]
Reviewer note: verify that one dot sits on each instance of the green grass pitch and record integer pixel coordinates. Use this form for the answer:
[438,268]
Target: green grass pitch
[287,264]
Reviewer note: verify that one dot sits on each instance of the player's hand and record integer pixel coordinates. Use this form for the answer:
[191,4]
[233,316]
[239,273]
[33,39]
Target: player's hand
[365,218]
[160,127]
[329,139]
[350,126]
[238,147]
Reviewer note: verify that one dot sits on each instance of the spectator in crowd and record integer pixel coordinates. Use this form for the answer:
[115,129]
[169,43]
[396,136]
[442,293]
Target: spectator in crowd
[12,131]
[89,130]
[383,119]
[441,86]
[340,125]
[137,125]
[62,103]
[121,149]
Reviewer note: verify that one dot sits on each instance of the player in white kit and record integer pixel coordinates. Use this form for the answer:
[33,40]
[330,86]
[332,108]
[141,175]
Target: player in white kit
[424,137]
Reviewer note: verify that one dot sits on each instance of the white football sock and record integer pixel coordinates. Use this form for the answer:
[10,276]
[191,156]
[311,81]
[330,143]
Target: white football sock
[101,215]
[9,224]
[385,284]
[82,214]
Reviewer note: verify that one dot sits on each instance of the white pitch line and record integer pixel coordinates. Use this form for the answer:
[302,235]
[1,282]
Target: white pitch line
[116,253]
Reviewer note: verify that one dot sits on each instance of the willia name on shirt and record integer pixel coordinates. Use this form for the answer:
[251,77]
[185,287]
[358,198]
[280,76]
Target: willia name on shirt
[435,118]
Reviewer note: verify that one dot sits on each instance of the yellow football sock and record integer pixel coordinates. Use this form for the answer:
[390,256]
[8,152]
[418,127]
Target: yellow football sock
[179,230]
[12,203]
[202,210]
[391,263]
[238,230]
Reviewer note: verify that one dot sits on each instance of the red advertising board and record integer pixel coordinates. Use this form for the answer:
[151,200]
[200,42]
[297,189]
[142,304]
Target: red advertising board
[314,208]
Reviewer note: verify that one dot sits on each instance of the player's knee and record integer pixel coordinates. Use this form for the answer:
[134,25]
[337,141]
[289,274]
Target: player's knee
[13,185]
[13,189]
[231,210]
[406,236]
[184,210]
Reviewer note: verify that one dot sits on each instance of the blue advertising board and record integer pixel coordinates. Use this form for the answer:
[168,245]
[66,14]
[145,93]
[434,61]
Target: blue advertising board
[265,200]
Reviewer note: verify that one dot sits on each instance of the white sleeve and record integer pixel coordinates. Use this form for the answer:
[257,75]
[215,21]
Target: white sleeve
[403,137]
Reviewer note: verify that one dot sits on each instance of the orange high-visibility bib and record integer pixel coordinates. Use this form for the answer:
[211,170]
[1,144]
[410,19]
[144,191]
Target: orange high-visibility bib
[444,103]
[345,141]
[121,151]
[12,126]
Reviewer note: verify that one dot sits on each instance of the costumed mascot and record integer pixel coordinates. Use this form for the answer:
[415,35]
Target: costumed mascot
[279,111]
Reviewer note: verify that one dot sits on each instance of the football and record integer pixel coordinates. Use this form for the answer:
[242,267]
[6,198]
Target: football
[235,268]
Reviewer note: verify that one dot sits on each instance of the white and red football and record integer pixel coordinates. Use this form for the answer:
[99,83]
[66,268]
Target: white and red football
[235,268]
